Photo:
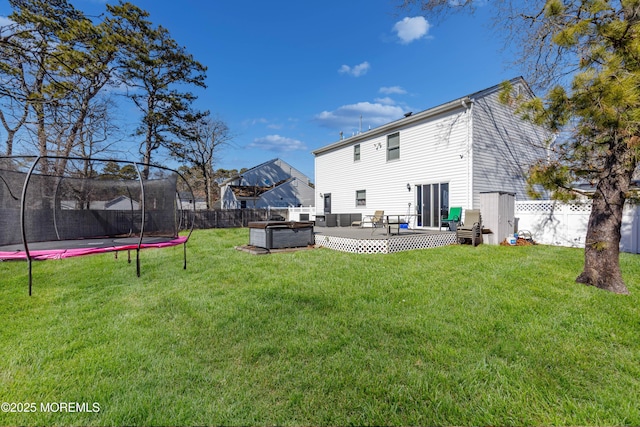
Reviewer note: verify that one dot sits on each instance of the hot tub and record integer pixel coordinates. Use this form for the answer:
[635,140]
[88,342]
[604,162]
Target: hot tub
[281,234]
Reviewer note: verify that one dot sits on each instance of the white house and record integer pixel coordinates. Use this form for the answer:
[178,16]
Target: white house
[420,165]
[271,184]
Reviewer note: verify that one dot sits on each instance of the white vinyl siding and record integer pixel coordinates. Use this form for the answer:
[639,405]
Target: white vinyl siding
[430,153]
[504,147]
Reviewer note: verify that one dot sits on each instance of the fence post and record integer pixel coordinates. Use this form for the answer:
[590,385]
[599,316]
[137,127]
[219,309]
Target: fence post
[565,219]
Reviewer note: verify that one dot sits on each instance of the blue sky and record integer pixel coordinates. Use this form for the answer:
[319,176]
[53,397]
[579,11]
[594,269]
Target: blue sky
[289,76]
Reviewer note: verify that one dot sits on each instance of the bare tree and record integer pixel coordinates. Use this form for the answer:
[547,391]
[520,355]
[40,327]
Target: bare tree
[56,62]
[27,47]
[13,116]
[200,148]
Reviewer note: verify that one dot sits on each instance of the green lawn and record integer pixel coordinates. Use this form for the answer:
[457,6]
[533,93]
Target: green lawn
[450,336]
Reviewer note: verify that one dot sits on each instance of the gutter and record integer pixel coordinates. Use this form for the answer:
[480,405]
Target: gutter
[390,127]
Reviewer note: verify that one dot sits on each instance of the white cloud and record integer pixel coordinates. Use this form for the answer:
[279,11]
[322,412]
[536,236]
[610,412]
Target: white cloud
[392,90]
[386,101]
[347,117]
[461,3]
[277,143]
[356,70]
[254,122]
[5,21]
[411,29]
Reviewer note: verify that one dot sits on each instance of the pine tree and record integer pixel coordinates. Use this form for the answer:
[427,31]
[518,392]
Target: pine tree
[587,54]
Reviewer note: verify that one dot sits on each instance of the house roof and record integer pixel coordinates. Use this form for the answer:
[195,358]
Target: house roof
[411,118]
[261,165]
[233,178]
[120,199]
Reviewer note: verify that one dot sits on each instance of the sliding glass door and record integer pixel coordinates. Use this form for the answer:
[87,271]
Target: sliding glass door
[432,203]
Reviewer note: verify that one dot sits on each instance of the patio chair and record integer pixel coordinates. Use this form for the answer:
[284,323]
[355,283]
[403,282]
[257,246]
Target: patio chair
[471,228]
[376,220]
[453,219]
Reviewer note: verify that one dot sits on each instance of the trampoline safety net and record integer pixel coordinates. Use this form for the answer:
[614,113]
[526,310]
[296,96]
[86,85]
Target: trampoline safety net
[47,200]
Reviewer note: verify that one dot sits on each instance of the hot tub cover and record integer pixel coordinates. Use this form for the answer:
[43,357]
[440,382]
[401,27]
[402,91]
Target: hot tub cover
[280,224]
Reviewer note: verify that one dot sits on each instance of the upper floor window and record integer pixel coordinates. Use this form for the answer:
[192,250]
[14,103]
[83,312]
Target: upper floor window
[356,152]
[393,147]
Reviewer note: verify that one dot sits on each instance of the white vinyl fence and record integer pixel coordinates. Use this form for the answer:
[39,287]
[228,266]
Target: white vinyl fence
[565,224]
[308,213]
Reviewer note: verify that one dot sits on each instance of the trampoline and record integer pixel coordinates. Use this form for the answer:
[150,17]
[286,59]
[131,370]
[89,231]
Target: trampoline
[93,206]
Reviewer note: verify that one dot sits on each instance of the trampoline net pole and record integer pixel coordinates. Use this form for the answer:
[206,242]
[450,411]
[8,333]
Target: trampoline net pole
[142,217]
[23,220]
[185,255]
[30,274]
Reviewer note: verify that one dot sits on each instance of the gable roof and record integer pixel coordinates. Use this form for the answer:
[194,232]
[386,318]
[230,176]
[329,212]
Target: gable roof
[281,165]
[411,118]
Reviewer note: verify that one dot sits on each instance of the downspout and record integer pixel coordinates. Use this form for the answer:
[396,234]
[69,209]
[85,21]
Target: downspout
[469,150]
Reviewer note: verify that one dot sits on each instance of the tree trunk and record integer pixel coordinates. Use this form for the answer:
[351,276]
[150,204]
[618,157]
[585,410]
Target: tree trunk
[208,179]
[602,248]
[10,137]
[11,132]
[208,190]
[146,156]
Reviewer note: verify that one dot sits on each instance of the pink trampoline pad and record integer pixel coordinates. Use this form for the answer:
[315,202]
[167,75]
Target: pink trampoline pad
[72,248]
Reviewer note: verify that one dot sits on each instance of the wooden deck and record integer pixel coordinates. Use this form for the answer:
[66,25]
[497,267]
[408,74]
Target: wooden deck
[371,241]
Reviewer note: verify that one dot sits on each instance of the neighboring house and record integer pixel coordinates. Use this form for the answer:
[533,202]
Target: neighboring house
[271,184]
[188,203]
[120,203]
[424,163]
